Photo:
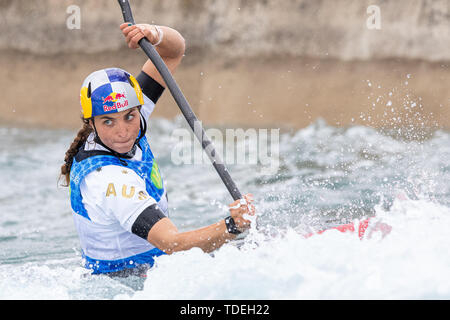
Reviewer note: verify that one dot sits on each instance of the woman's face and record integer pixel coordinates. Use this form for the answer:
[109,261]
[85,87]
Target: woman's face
[119,131]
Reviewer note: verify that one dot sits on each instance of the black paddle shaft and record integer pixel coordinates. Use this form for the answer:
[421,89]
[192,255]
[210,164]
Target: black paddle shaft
[184,106]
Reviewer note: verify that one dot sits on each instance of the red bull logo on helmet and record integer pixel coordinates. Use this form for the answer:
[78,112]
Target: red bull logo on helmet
[114,101]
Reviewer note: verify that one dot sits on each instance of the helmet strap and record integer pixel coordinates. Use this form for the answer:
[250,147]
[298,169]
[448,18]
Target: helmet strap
[143,127]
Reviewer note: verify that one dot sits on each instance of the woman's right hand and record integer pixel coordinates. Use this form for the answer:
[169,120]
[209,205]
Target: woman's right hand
[133,33]
[241,207]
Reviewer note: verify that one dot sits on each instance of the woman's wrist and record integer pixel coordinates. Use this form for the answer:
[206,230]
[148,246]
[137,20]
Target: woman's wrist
[169,42]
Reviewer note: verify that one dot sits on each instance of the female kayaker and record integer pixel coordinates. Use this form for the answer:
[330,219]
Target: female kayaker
[118,197]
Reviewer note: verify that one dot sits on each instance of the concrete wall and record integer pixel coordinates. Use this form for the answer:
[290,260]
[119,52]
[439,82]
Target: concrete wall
[255,62]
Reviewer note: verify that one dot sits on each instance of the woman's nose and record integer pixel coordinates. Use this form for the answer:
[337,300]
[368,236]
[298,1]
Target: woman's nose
[122,129]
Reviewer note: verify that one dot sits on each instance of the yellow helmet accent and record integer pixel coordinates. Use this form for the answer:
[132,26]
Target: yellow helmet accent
[137,89]
[86,103]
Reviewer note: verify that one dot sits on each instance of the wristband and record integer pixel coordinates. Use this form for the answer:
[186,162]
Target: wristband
[231,226]
[160,35]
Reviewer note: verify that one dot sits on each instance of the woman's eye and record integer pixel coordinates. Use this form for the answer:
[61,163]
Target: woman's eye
[130,116]
[107,122]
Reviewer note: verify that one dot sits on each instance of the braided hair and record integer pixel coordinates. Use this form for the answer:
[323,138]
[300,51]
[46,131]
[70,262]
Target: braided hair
[77,143]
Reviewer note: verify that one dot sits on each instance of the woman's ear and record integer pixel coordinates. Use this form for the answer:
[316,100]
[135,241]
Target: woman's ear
[89,122]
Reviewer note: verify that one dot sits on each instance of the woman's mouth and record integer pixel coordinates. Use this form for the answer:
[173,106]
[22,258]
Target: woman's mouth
[123,146]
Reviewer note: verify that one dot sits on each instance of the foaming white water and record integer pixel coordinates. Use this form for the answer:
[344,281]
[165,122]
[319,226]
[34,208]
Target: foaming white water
[327,176]
[412,262]
[56,280]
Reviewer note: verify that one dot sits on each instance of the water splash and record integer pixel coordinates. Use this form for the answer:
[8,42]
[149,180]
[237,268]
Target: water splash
[327,176]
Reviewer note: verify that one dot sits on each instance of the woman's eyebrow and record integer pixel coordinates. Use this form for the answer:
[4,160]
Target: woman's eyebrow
[106,117]
[131,111]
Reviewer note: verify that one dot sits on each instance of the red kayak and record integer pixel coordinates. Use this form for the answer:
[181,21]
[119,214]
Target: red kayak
[361,226]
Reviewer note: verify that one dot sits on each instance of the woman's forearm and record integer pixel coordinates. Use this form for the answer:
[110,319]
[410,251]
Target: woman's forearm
[208,238]
[166,237]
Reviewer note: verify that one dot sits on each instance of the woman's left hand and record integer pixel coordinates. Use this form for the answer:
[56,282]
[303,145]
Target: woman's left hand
[134,33]
[242,207]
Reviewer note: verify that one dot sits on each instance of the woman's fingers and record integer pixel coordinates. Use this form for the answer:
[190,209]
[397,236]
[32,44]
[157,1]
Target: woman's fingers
[252,209]
[133,36]
[244,204]
[129,32]
[124,25]
[135,40]
[126,28]
[241,207]
[134,33]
